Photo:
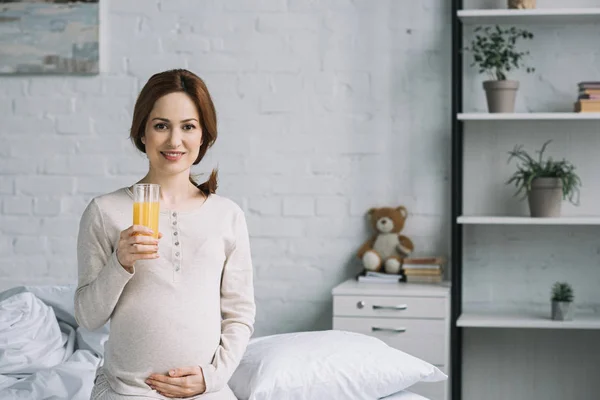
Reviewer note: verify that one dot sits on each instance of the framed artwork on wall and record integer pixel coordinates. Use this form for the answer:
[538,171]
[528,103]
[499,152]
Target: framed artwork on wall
[45,37]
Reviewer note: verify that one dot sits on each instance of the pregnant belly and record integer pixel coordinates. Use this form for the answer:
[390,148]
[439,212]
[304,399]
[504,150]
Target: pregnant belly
[154,338]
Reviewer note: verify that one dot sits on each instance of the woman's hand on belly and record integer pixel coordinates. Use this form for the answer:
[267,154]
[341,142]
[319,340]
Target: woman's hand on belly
[181,382]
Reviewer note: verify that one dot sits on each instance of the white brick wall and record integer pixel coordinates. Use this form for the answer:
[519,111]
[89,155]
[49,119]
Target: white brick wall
[321,108]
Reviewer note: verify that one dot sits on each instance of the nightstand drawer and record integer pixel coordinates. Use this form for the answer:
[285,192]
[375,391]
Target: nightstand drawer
[389,306]
[422,338]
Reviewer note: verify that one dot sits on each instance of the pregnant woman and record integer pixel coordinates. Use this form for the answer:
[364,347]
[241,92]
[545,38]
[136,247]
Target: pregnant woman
[180,303]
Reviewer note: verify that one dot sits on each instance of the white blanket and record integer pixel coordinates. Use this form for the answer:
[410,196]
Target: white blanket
[43,353]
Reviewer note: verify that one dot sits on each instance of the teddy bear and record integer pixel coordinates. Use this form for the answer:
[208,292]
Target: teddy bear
[387,246]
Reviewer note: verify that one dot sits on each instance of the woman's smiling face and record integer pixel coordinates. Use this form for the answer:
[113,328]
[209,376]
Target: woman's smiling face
[173,134]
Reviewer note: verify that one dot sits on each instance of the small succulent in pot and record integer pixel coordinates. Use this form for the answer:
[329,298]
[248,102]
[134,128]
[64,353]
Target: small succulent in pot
[562,301]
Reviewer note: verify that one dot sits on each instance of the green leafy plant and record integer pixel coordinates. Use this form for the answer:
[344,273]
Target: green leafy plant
[562,291]
[494,50]
[539,168]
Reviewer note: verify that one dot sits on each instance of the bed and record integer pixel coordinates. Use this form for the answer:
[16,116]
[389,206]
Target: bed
[46,355]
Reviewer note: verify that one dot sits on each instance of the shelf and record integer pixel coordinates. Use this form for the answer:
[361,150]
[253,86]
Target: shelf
[493,220]
[528,116]
[515,319]
[539,15]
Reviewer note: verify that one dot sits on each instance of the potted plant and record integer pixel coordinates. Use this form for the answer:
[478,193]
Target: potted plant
[562,302]
[521,4]
[494,52]
[544,182]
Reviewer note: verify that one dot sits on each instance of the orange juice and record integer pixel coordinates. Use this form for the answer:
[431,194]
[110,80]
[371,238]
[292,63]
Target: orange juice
[146,213]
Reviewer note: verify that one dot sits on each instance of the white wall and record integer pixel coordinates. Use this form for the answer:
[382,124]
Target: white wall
[326,108]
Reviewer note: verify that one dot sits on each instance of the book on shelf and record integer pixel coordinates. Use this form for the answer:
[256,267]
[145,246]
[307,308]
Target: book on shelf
[424,279]
[423,272]
[415,274]
[423,263]
[585,105]
[588,99]
[398,278]
[588,85]
[379,277]
[589,96]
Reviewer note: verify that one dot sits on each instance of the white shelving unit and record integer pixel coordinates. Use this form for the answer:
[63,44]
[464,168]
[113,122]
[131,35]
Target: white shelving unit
[493,316]
[535,16]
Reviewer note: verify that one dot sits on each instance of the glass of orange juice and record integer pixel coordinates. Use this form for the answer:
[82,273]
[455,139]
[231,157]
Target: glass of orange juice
[146,206]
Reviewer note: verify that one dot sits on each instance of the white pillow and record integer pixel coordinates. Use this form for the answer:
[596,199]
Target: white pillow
[329,364]
[404,395]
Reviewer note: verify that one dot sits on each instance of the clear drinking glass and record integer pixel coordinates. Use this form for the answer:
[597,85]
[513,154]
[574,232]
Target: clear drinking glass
[146,205]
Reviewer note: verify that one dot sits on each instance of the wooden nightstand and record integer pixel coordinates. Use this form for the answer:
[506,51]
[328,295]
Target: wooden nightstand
[414,318]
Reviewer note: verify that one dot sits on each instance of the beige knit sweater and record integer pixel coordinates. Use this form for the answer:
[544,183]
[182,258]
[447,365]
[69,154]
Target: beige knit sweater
[192,306]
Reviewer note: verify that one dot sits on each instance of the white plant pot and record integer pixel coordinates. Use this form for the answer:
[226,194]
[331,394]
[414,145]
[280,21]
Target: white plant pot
[501,95]
[562,310]
[545,197]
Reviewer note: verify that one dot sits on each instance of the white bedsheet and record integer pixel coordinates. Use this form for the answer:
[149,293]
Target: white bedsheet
[43,353]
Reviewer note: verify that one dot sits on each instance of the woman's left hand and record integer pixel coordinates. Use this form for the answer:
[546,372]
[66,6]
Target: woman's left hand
[181,382]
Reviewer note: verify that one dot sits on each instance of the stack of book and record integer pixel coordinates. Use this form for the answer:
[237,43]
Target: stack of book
[588,99]
[413,270]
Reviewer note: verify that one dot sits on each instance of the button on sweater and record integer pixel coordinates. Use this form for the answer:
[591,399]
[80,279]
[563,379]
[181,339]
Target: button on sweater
[194,305]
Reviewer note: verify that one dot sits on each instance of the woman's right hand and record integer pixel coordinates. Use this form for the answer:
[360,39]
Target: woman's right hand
[136,243]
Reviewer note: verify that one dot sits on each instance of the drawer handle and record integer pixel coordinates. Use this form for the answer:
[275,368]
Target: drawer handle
[398,307]
[394,330]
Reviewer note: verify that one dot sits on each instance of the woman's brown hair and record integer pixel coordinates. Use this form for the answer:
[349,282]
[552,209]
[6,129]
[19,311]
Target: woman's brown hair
[178,80]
